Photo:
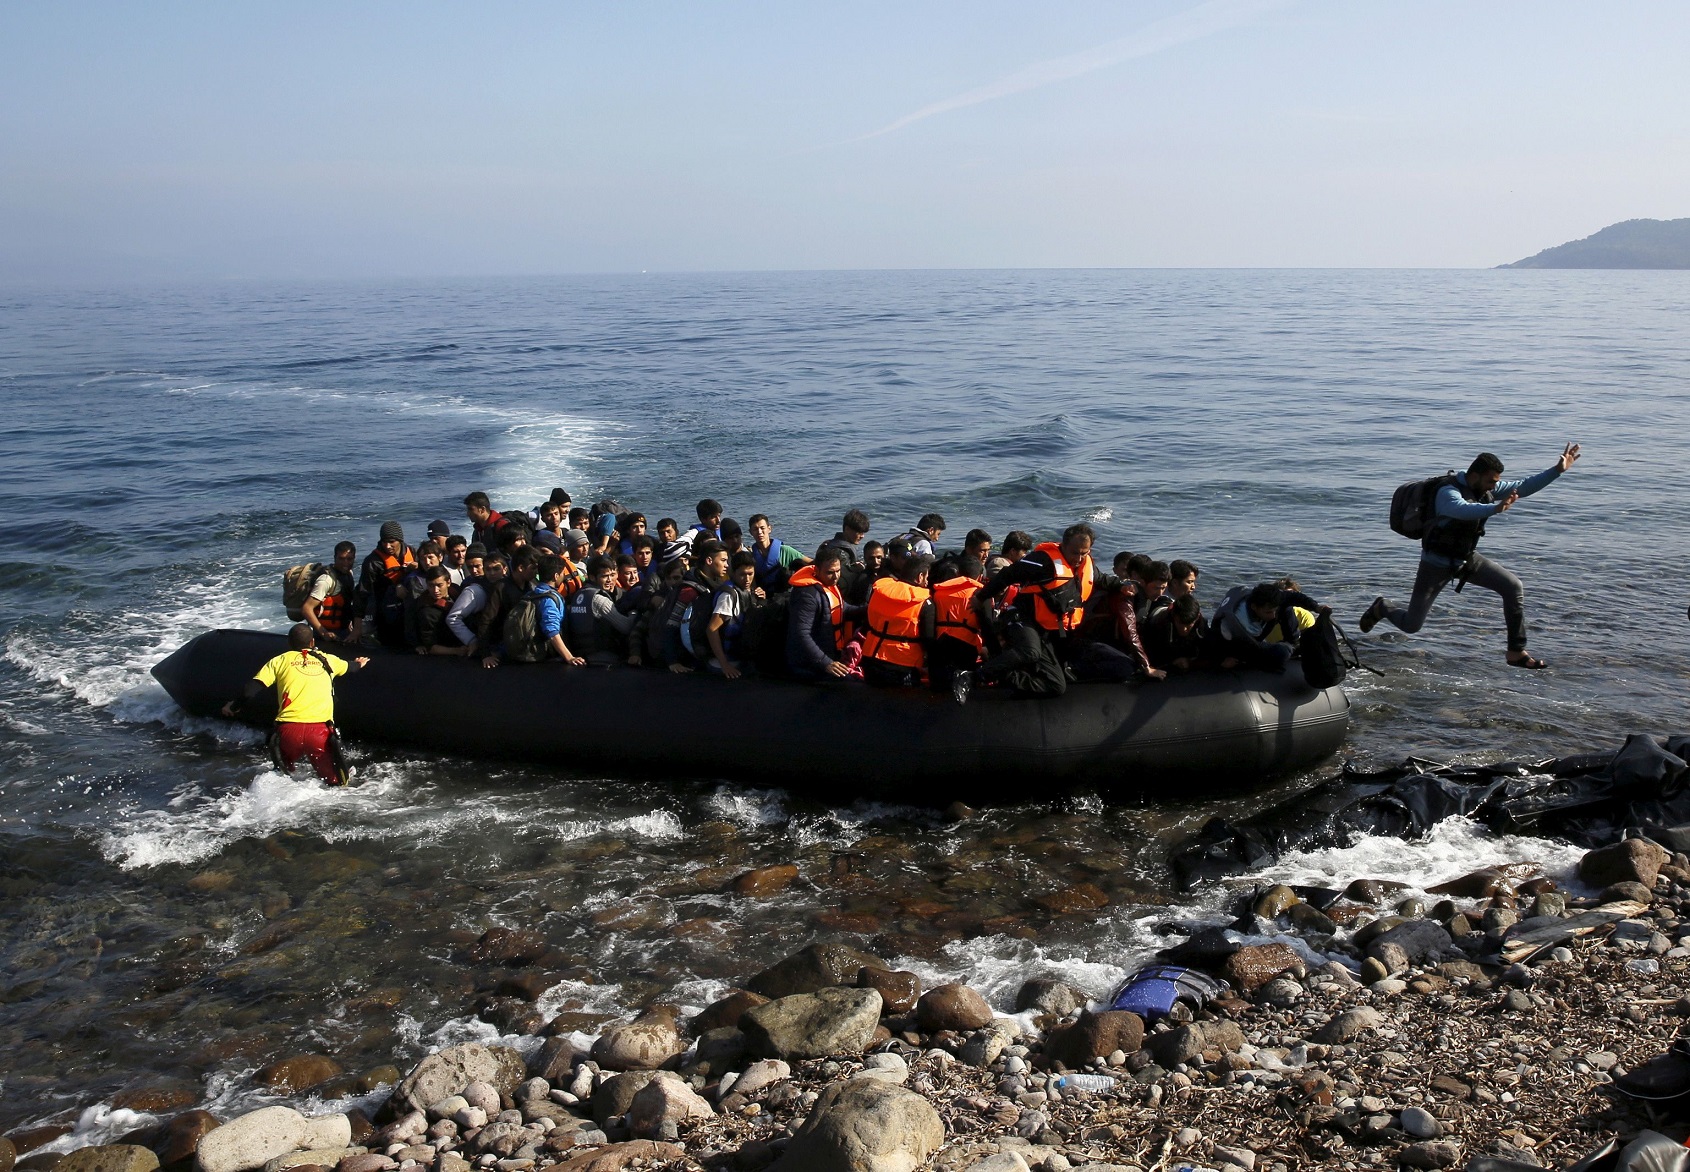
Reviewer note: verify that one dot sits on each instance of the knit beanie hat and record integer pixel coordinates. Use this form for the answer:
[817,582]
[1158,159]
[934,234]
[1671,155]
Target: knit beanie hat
[390,531]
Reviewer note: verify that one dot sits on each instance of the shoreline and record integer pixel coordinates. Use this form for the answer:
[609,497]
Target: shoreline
[1448,1052]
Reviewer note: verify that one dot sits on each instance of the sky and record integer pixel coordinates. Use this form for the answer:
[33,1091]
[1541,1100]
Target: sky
[318,140]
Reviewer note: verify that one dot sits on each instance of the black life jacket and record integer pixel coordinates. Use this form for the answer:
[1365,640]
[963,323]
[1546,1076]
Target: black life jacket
[1456,539]
[586,634]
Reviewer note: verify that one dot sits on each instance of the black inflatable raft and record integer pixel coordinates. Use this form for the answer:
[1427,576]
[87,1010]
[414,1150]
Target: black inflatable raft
[1217,729]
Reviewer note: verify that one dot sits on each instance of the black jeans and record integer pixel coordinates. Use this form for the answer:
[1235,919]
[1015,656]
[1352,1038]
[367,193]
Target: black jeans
[1481,571]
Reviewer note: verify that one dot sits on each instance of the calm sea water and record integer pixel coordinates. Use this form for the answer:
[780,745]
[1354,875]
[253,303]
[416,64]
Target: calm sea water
[172,910]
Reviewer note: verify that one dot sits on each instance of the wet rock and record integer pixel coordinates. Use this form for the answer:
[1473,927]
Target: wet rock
[1276,901]
[1082,897]
[721,1049]
[110,1158]
[817,967]
[827,1022]
[1048,995]
[299,1073]
[1636,860]
[662,1104]
[1368,933]
[952,1006]
[1418,939]
[155,1098]
[1373,891]
[1349,1025]
[645,1043]
[553,1060]
[1095,1035]
[1310,920]
[40,1162]
[8,1154]
[526,984]
[726,1012]
[507,946]
[251,1140]
[179,1139]
[1486,881]
[27,1139]
[1255,965]
[615,1094]
[763,882]
[863,1125]
[899,990]
[453,1069]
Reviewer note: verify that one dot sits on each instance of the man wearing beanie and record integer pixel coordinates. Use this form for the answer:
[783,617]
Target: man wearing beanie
[378,585]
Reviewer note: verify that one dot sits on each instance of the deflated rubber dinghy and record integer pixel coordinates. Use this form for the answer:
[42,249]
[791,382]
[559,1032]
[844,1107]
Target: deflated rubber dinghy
[1219,729]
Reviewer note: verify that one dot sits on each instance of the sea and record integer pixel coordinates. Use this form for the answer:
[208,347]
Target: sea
[175,914]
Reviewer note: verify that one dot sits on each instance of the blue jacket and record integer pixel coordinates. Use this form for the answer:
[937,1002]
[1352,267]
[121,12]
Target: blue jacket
[551,610]
[1451,505]
[809,630]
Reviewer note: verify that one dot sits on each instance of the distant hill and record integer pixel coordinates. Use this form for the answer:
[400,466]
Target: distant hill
[1630,244]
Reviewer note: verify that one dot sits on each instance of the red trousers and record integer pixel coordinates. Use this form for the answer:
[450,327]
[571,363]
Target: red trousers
[312,741]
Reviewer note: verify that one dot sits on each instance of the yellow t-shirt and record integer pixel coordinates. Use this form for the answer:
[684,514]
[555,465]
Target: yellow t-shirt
[304,690]
[1305,620]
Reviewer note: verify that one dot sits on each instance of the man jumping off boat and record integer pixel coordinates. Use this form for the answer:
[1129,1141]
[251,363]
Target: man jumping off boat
[1449,537]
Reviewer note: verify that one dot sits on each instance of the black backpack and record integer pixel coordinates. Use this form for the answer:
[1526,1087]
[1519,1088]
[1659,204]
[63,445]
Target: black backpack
[1328,655]
[1413,505]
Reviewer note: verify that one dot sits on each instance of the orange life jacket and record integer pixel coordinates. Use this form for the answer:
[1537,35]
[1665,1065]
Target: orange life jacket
[894,624]
[954,603]
[836,603]
[393,568]
[1060,604]
[334,613]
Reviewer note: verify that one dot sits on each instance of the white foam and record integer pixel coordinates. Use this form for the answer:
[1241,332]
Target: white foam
[100,1124]
[197,826]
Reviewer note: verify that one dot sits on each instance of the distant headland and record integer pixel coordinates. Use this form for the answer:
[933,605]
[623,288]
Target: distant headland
[1630,244]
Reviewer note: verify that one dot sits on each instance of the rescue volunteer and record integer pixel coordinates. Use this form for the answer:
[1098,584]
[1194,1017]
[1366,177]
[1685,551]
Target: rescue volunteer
[900,625]
[304,681]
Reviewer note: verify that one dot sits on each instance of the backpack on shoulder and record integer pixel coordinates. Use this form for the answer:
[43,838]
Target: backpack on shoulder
[1414,505]
[525,642]
[296,587]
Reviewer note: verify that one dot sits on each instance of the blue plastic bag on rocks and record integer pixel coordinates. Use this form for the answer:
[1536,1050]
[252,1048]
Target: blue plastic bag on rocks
[1153,992]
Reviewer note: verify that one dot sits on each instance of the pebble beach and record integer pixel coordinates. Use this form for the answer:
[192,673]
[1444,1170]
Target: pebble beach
[1358,1027]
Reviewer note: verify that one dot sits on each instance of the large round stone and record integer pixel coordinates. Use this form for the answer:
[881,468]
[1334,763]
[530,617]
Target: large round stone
[813,1025]
[952,1007]
[865,1125]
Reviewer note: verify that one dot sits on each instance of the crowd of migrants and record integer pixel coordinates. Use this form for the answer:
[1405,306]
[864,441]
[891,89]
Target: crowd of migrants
[603,587]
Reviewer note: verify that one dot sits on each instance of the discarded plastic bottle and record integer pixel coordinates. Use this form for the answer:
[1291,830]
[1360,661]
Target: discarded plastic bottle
[1091,1083]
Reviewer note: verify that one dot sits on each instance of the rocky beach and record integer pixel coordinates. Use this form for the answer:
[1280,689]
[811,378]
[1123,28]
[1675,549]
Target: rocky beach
[1360,1024]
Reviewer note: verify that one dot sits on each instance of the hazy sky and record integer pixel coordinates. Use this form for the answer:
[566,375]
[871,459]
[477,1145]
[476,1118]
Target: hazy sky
[373,139]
